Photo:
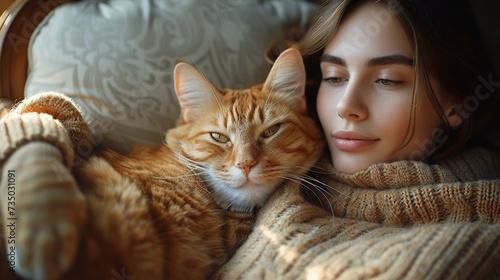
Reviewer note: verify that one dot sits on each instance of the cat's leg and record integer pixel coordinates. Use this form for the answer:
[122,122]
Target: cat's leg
[120,239]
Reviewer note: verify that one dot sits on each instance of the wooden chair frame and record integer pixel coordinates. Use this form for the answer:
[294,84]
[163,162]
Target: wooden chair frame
[17,24]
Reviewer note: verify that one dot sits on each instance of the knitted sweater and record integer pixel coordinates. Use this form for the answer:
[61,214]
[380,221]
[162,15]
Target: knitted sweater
[402,220]
[40,141]
[49,117]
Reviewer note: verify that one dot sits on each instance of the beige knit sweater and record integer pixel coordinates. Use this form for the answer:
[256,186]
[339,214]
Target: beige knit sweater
[402,220]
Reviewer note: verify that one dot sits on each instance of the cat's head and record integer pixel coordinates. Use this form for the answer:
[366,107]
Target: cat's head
[246,142]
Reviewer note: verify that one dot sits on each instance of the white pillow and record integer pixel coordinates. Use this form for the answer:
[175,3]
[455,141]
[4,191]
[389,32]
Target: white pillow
[116,57]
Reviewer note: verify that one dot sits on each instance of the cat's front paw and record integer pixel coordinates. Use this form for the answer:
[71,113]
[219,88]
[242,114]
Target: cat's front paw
[47,220]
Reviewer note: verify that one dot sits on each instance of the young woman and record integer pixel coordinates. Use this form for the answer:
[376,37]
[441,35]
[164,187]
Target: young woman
[397,85]
[404,93]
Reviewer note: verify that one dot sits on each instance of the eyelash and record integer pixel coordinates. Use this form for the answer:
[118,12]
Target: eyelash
[335,80]
[383,82]
[391,82]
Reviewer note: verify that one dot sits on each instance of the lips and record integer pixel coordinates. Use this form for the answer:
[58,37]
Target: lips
[351,141]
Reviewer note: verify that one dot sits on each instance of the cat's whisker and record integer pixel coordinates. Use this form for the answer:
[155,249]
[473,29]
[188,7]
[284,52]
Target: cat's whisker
[327,189]
[195,168]
[326,186]
[307,184]
[240,117]
[324,189]
[189,162]
[304,168]
[319,170]
[279,170]
[332,211]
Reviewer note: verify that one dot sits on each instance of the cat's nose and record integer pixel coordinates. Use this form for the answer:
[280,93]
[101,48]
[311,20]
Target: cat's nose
[246,166]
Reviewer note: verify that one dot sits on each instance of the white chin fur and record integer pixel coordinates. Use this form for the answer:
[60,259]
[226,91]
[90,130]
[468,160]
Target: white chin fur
[243,199]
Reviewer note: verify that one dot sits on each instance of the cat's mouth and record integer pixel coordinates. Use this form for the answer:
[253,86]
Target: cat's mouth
[253,183]
[248,183]
[243,185]
[238,179]
[242,194]
[244,199]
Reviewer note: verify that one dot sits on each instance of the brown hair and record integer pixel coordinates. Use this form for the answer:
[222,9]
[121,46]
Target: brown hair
[447,47]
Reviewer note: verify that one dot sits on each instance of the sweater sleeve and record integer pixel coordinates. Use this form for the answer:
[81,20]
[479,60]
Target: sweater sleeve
[293,239]
[39,142]
[49,117]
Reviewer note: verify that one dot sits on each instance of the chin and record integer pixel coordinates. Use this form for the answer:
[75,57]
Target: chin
[348,170]
[239,196]
[350,164]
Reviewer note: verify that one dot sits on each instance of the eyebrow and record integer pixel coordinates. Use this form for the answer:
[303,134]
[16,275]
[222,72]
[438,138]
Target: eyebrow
[390,59]
[332,59]
[376,61]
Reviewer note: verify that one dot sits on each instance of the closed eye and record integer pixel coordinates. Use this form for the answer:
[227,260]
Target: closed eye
[386,82]
[335,80]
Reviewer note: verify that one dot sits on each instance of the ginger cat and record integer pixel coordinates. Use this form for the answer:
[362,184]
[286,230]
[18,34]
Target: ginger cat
[179,210]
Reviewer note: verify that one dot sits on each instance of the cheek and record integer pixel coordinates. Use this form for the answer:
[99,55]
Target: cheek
[394,122]
[421,144]
[391,125]
[200,151]
[429,134]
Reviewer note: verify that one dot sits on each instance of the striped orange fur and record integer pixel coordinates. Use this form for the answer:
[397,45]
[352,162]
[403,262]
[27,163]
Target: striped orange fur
[177,211]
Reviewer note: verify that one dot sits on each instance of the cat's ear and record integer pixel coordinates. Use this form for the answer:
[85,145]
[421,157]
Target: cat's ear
[193,91]
[288,78]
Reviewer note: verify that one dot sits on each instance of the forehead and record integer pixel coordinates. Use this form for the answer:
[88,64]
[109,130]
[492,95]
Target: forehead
[240,100]
[248,98]
[249,105]
[369,30]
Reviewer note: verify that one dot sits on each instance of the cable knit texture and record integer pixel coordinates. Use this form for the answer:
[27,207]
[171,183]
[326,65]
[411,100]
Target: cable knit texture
[48,117]
[38,140]
[401,220]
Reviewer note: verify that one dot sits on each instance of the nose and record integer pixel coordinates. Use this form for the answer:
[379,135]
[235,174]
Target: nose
[246,156]
[246,166]
[352,104]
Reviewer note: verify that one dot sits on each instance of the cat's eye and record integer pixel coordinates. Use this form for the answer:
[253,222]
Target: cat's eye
[270,131]
[219,137]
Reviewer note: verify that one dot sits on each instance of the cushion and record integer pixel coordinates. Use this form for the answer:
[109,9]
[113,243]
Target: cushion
[115,57]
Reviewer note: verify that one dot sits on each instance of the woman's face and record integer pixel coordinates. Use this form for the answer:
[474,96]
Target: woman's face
[365,98]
